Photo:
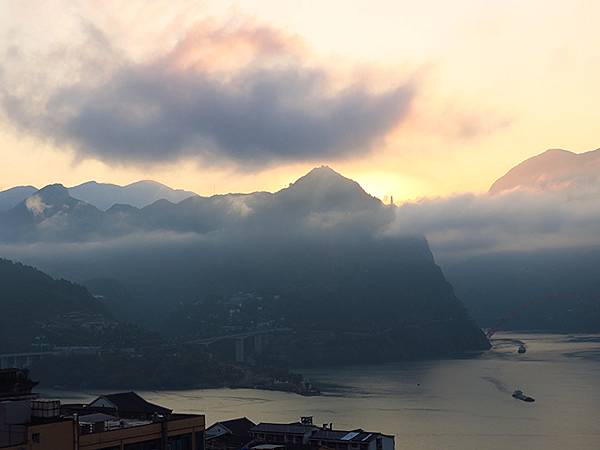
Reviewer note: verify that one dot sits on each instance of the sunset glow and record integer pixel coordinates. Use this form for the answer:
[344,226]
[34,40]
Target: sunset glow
[485,86]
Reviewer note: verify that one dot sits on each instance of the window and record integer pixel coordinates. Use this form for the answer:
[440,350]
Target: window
[379,443]
[35,437]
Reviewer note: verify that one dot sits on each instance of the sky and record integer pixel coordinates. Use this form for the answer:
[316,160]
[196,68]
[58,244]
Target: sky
[410,99]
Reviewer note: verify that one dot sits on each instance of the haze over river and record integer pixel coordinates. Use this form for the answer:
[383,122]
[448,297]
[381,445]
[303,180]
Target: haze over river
[444,404]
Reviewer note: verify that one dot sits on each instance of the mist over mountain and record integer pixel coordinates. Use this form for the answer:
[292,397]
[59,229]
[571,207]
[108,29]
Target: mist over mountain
[554,290]
[104,195]
[555,169]
[322,199]
[528,249]
[318,249]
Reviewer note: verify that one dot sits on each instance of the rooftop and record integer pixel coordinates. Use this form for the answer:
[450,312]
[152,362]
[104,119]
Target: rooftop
[292,428]
[131,402]
[237,427]
[343,435]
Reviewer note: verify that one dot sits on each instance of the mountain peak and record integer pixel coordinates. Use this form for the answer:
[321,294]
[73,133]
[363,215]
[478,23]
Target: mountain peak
[15,195]
[324,175]
[323,188]
[324,170]
[554,169]
[53,193]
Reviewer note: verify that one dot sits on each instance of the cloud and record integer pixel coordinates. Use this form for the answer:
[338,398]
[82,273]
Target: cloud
[35,205]
[245,94]
[469,224]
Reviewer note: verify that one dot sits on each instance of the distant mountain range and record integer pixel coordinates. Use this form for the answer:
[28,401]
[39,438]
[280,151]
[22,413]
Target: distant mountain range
[322,198]
[554,169]
[104,195]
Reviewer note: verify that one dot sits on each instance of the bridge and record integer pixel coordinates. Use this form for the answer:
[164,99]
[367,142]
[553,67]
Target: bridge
[258,343]
[22,360]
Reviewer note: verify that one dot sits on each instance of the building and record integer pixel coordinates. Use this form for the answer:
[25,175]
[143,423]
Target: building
[351,440]
[292,434]
[306,435]
[231,434]
[122,421]
[128,404]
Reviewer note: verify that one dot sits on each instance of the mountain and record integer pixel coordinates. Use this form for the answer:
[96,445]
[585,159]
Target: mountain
[37,309]
[13,196]
[554,290]
[317,249]
[322,198]
[49,214]
[138,194]
[552,170]
[104,195]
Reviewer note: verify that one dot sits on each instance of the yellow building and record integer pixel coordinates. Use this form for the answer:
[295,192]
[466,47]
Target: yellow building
[123,421]
[179,432]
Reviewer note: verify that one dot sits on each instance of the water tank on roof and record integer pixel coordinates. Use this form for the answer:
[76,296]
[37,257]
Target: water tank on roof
[45,409]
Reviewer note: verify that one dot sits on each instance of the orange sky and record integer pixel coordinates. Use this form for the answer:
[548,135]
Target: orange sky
[498,81]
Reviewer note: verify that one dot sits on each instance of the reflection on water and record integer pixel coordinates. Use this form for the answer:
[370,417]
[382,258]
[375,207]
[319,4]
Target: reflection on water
[447,404]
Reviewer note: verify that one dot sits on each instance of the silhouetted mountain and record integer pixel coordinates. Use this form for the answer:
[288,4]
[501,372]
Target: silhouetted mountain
[552,170]
[13,196]
[104,195]
[138,194]
[50,214]
[318,245]
[37,309]
[554,290]
[114,296]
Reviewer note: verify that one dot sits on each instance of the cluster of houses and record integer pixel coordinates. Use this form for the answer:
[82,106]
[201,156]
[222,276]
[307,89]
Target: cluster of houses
[126,421]
[242,433]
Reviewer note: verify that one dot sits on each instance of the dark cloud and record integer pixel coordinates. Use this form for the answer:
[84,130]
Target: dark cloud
[160,112]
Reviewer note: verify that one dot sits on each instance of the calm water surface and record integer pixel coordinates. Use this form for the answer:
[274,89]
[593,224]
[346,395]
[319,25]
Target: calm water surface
[445,404]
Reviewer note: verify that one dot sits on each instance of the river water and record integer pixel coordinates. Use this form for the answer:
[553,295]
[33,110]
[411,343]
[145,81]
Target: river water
[443,404]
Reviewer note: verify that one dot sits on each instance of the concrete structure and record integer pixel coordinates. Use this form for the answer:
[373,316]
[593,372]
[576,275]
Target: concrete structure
[21,360]
[245,346]
[123,421]
[305,435]
[179,432]
[25,360]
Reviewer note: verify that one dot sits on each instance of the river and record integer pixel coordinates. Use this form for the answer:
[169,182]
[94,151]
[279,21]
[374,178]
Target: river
[457,404]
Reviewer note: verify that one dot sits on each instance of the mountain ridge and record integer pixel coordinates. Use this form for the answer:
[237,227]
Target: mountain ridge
[103,195]
[322,197]
[553,169]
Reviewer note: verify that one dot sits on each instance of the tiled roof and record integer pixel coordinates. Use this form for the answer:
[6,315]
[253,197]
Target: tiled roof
[238,427]
[133,403]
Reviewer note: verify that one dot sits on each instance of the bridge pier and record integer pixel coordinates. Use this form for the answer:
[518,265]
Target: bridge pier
[239,350]
[259,344]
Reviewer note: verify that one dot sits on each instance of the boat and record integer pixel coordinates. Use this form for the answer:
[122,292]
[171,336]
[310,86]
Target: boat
[522,349]
[520,396]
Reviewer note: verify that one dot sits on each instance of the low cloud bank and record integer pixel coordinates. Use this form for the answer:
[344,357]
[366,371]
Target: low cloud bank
[468,224]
